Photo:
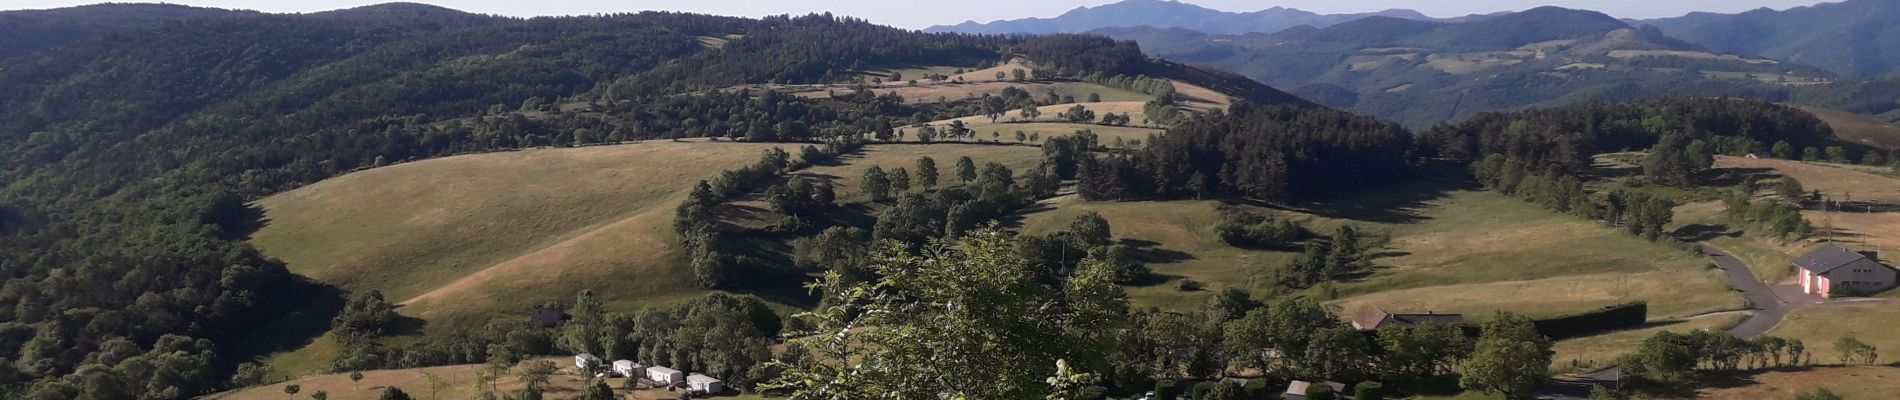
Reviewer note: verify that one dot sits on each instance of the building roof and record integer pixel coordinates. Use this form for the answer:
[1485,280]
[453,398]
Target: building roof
[1375,318]
[697,378]
[1827,258]
[625,363]
[585,356]
[663,370]
[1298,388]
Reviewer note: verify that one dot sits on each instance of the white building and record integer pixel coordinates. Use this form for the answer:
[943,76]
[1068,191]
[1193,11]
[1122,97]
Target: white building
[704,384]
[586,361]
[664,375]
[628,368]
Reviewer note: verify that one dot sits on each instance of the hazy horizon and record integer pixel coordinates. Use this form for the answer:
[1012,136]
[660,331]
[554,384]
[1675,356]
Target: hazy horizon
[911,16]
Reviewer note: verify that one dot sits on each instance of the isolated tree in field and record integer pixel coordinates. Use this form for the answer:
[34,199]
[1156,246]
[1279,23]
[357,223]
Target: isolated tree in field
[1089,230]
[1095,97]
[900,180]
[897,76]
[1853,351]
[966,169]
[1019,74]
[320,395]
[1020,136]
[356,379]
[292,390]
[1783,150]
[394,393]
[1510,358]
[876,184]
[1030,112]
[537,373]
[1078,113]
[926,172]
[1000,75]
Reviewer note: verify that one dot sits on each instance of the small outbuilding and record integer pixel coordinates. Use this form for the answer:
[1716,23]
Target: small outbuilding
[665,376]
[1832,270]
[628,368]
[587,362]
[548,316]
[1297,389]
[1375,318]
[704,384]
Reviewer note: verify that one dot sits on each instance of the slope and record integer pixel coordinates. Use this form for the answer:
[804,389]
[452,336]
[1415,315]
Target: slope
[1855,37]
[1168,14]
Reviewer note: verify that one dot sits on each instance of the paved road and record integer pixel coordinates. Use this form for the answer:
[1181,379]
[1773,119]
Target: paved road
[1765,308]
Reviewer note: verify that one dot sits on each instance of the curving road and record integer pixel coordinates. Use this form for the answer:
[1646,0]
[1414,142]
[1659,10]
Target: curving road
[1765,309]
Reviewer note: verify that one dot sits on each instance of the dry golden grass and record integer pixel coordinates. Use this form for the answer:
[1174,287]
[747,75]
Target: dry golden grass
[1858,382]
[1465,251]
[926,92]
[1858,128]
[1165,231]
[1875,322]
[459,240]
[1201,98]
[1549,297]
[1596,351]
[1833,180]
[460,379]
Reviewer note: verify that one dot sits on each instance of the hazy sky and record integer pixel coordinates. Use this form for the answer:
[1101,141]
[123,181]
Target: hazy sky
[919,14]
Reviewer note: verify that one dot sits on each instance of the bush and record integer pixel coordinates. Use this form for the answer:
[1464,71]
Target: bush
[1167,389]
[1369,391]
[1319,391]
[1201,389]
[1257,390]
[1093,393]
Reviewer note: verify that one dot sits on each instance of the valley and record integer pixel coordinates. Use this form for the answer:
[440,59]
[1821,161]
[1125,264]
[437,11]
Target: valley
[404,200]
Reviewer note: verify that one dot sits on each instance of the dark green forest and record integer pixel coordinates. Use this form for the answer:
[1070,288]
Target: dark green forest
[130,155]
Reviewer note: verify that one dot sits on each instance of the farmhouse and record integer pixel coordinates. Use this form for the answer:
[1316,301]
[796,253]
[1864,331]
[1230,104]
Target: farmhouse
[1376,318]
[628,368]
[1834,270]
[704,384]
[664,375]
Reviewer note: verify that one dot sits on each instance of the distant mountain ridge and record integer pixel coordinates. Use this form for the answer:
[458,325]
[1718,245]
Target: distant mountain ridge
[1855,37]
[1424,72]
[1172,14]
[29,31]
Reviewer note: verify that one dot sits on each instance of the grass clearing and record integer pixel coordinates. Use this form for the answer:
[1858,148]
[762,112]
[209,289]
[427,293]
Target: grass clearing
[1452,250]
[1835,181]
[1873,322]
[1857,382]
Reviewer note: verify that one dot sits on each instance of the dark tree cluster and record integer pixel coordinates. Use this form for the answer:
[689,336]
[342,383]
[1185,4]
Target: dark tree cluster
[1088,239]
[1262,152]
[697,222]
[1342,256]
[366,316]
[1780,219]
[1638,213]
[1252,230]
[1673,358]
[1564,139]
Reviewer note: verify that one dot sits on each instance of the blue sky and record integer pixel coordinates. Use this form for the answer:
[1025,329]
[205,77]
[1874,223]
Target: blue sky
[919,14]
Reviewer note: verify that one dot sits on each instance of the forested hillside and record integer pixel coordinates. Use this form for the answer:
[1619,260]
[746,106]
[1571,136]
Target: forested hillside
[1854,37]
[1423,72]
[130,155]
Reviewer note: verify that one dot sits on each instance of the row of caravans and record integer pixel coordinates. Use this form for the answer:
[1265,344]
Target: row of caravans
[695,383]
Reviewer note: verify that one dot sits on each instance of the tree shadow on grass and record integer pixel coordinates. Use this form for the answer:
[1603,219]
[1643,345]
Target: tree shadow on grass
[303,325]
[1702,232]
[1403,203]
[1150,252]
